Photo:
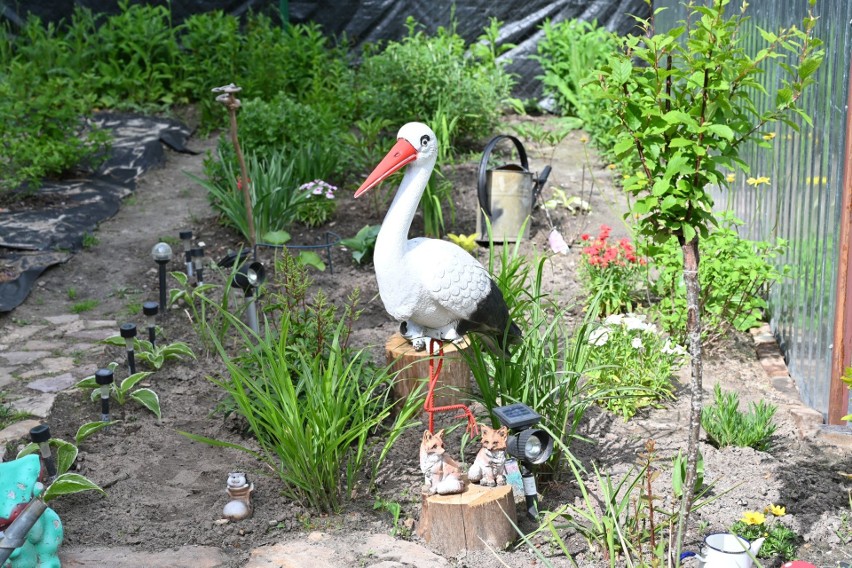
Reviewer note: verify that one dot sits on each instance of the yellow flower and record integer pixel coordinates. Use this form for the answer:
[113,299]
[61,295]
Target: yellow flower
[753,518]
[776,510]
[583,139]
[611,166]
[467,242]
[769,136]
[757,181]
[730,178]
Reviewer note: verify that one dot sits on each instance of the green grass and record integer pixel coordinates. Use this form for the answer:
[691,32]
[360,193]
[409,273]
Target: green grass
[8,415]
[72,293]
[90,240]
[85,306]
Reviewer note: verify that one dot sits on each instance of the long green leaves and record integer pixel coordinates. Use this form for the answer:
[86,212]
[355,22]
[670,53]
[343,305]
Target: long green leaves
[275,193]
[312,414]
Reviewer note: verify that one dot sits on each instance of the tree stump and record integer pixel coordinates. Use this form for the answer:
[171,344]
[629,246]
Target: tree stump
[469,521]
[413,366]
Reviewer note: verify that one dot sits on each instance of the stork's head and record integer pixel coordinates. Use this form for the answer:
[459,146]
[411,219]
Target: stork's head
[416,144]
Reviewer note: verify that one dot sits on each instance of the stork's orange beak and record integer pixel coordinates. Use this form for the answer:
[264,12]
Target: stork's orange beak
[401,154]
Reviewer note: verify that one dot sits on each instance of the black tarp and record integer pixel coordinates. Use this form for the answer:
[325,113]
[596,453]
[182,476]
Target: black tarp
[375,20]
[31,240]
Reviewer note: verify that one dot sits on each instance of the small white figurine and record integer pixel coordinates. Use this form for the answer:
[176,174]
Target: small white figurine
[239,490]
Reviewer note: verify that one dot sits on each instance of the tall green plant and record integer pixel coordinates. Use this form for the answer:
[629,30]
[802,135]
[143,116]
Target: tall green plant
[312,414]
[543,370]
[735,278]
[687,100]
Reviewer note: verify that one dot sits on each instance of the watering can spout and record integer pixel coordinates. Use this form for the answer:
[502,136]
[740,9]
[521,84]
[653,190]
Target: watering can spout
[755,546]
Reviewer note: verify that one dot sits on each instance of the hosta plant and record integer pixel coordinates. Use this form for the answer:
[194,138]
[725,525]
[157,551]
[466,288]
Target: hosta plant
[123,391]
[154,355]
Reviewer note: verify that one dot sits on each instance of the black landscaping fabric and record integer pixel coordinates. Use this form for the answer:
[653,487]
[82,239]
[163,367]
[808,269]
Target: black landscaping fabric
[376,20]
[31,240]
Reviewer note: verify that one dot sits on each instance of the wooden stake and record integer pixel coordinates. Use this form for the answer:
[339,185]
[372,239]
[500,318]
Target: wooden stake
[413,367]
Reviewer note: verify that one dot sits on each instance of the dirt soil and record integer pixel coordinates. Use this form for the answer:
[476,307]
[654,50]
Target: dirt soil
[166,491]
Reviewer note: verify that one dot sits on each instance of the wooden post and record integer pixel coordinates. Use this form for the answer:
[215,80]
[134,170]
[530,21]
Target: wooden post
[469,521]
[413,366]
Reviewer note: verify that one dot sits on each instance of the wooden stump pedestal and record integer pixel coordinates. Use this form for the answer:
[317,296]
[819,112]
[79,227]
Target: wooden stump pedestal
[413,367]
[469,521]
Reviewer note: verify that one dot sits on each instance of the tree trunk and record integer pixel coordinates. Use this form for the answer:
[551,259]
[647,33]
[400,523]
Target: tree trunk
[693,332]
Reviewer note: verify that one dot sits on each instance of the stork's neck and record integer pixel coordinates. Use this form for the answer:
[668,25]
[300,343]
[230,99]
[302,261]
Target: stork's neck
[393,236]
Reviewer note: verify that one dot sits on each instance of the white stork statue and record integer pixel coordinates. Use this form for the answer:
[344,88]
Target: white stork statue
[432,287]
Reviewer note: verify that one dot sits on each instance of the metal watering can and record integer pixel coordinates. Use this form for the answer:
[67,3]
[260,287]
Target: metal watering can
[726,550]
[506,195]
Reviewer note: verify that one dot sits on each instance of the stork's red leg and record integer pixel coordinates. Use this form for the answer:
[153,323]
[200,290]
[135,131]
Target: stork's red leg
[428,406]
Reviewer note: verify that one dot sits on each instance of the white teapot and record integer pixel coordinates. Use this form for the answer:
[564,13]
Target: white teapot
[726,550]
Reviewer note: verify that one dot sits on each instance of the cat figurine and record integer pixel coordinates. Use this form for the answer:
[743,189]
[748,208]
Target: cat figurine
[489,467]
[441,472]
[239,490]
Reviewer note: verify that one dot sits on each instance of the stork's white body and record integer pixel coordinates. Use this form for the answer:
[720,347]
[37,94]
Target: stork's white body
[431,286]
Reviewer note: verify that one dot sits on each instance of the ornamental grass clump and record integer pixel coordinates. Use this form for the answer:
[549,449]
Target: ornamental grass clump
[611,270]
[631,365]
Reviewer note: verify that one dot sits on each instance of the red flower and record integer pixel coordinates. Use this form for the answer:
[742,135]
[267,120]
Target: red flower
[605,231]
[585,236]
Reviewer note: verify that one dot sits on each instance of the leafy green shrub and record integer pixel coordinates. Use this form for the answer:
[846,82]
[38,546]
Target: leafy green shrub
[411,79]
[296,61]
[137,59]
[211,49]
[570,53]
[726,425]
[45,132]
[363,244]
[735,277]
[631,365]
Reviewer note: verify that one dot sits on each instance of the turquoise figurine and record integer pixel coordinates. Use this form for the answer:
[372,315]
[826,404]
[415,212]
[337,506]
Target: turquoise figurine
[19,484]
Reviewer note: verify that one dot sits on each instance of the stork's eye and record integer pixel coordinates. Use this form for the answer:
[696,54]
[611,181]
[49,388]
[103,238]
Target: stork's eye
[424,139]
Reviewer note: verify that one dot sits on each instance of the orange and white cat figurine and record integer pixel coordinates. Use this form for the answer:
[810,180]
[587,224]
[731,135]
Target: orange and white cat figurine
[442,473]
[489,467]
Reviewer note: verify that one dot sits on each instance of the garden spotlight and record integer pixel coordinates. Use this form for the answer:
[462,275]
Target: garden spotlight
[128,332]
[104,378]
[198,263]
[531,446]
[149,310]
[41,435]
[248,278]
[162,254]
[186,239]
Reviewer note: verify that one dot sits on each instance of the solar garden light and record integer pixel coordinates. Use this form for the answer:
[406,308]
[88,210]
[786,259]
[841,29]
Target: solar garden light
[531,446]
[162,254]
[104,378]
[248,278]
[128,332]
[198,263]
[41,435]
[186,239]
[149,310]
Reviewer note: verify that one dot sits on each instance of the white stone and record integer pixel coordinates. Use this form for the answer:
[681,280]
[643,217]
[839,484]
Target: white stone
[23,357]
[38,405]
[17,431]
[53,384]
[59,320]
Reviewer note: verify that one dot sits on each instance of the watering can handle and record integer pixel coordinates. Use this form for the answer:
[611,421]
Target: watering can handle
[482,189]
